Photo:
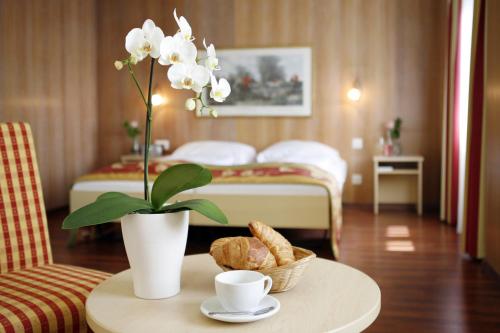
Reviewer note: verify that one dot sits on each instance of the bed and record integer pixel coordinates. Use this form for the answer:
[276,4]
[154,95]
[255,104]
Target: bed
[281,194]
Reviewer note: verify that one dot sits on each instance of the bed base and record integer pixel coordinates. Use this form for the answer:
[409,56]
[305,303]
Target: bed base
[278,211]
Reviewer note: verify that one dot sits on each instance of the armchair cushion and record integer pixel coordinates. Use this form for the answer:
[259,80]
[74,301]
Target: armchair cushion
[49,298]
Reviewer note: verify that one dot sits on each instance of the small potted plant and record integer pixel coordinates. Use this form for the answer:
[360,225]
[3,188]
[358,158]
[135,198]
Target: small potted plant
[393,145]
[155,231]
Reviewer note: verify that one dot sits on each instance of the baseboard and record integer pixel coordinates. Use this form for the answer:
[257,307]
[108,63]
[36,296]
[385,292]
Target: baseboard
[428,209]
[490,270]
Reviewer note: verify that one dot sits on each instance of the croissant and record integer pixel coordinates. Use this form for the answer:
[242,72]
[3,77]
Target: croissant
[279,246]
[242,253]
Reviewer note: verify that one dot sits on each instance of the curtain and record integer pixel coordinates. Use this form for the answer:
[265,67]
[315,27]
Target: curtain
[463,203]
[450,144]
[472,236]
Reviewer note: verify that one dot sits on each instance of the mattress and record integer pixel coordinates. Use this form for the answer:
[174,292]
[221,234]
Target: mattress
[128,186]
[285,195]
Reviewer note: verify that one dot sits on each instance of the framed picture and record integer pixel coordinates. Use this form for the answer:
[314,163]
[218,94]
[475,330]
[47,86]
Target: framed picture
[272,82]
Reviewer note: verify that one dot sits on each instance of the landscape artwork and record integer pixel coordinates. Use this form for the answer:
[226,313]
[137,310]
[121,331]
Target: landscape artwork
[266,82]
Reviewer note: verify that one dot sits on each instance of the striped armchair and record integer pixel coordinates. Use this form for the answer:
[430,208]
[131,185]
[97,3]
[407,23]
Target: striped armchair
[36,295]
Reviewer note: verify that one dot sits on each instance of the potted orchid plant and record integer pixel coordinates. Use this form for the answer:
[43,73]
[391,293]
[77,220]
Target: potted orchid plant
[155,232]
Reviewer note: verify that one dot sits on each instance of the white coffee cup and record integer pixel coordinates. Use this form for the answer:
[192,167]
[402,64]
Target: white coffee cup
[241,290]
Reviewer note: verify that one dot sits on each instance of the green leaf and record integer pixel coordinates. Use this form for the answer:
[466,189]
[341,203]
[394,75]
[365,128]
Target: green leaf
[176,179]
[109,195]
[202,206]
[108,207]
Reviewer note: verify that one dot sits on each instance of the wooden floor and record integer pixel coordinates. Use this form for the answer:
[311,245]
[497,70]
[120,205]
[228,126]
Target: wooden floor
[426,285]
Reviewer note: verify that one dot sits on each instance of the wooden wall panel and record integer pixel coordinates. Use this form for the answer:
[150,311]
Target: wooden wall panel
[48,78]
[492,136]
[396,48]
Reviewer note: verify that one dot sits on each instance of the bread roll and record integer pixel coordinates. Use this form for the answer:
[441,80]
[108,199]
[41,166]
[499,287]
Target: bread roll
[242,253]
[279,246]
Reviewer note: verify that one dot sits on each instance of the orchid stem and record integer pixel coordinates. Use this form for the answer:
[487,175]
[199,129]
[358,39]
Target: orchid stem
[136,83]
[203,105]
[147,137]
[200,98]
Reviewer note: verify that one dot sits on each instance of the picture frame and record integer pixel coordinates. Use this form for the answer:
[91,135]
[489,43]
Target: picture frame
[265,82]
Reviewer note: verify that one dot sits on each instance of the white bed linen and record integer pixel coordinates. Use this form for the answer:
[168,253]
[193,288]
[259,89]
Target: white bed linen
[134,186]
[307,152]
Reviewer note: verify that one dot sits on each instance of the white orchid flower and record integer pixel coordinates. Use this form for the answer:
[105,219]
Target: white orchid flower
[175,50]
[143,42]
[184,27]
[188,76]
[220,90]
[212,63]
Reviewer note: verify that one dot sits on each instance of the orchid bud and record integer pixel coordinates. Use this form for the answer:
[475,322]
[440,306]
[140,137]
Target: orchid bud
[213,113]
[133,60]
[190,104]
[118,65]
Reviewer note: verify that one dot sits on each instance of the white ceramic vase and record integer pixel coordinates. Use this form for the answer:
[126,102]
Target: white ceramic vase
[155,245]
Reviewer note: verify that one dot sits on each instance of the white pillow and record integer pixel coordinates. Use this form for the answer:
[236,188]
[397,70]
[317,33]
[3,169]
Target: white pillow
[308,152]
[296,151]
[215,153]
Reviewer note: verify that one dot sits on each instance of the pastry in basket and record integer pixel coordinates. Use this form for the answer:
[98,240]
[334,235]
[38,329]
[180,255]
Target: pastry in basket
[279,246]
[242,253]
[268,252]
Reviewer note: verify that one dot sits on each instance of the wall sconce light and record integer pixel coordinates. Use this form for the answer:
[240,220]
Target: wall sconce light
[354,94]
[158,99]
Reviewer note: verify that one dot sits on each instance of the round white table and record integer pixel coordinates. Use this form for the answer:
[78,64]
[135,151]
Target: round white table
[331,297]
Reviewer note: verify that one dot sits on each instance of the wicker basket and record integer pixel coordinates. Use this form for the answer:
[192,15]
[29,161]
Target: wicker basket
[287,276]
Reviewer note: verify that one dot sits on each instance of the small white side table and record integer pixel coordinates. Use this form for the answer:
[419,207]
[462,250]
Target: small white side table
[331,297]
[390,166]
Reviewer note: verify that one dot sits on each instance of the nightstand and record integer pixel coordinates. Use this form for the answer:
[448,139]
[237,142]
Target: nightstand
[397,179]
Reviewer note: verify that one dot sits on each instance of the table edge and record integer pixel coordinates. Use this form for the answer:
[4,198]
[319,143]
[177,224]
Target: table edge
[357,325]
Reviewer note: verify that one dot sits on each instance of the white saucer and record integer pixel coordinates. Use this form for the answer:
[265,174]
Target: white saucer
[212,305]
